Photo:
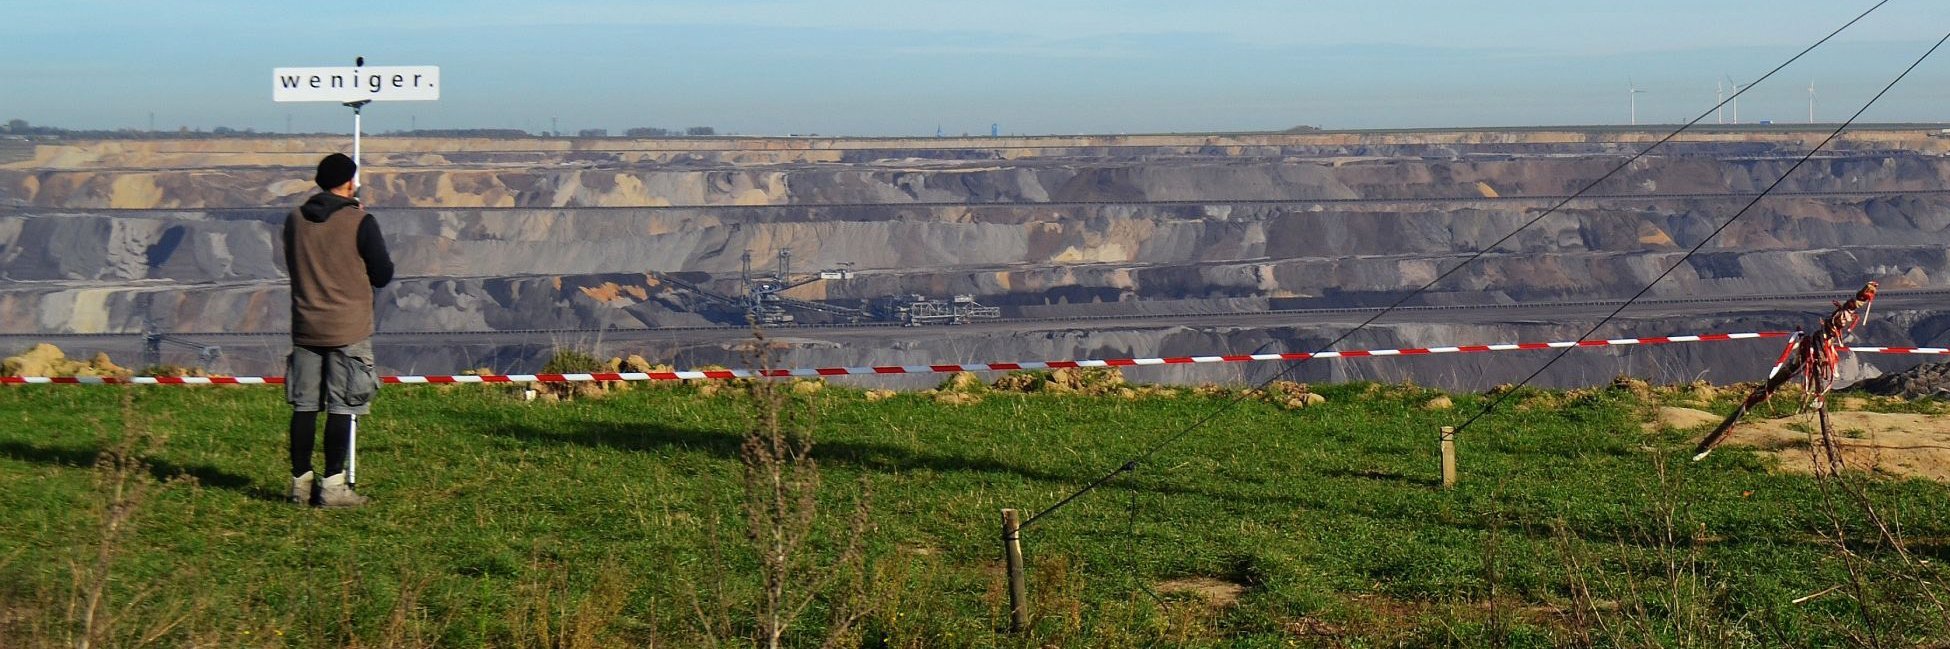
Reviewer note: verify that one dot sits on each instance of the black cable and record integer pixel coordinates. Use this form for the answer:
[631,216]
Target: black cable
[1291,366]
[1709,237]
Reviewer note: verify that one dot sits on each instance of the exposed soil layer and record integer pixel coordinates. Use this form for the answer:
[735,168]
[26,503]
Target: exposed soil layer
[1896,444]
[583,235]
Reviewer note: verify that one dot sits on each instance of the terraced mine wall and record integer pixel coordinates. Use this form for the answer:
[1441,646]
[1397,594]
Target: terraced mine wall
[578,236]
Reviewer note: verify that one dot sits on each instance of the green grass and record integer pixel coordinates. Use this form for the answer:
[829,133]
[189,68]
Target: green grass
[503,522]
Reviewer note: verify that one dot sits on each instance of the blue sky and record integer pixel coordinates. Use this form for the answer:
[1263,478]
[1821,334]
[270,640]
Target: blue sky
[904,67]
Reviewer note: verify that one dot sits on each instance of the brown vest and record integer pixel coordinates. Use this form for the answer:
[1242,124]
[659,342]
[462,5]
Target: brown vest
[331,297]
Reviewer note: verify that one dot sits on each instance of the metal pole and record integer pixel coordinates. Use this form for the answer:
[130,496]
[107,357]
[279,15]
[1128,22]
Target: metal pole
[357,128]
[1012,554]
[352,454]
[358,110]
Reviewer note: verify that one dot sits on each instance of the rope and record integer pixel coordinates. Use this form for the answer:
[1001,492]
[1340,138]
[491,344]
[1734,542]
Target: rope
[1229,404]
[1709,237]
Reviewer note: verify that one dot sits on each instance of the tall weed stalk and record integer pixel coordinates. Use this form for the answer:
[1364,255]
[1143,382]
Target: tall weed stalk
[780,481]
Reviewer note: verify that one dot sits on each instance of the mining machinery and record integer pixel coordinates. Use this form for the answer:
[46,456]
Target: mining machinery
[153,340]
[761,296]
[761,299]
[917,310]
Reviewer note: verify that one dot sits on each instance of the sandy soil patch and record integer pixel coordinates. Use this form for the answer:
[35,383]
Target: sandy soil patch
[1903,445]
[1215,592]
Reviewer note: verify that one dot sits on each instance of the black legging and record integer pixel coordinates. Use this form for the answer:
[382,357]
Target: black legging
[304,429]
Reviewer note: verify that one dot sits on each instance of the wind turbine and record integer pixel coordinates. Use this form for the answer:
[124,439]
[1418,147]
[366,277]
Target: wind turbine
[1720,100]
[1811,101]
[1635,92]
[1737,88]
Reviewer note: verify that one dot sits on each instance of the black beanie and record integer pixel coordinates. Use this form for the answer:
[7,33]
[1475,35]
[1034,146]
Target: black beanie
[335,170]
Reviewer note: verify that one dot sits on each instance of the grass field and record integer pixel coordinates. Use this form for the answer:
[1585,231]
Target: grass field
[616,521]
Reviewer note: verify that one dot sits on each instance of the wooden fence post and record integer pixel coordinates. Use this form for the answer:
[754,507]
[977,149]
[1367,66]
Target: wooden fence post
[1448,457]
[1012,554]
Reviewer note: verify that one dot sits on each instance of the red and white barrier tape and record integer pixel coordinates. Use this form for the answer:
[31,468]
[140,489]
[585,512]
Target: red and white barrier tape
[1899,350]
[951,368]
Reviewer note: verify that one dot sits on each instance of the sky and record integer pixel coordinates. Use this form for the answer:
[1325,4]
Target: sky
[910,67]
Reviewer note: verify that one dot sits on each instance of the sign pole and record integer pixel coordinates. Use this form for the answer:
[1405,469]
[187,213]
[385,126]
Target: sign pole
[357,128]
[357,106]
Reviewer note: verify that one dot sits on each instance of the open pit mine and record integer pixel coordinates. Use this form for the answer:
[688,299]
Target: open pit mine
[945,250]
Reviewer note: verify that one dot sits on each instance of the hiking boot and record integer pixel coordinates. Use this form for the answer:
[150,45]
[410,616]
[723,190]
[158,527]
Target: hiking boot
[335,493]
[301,489]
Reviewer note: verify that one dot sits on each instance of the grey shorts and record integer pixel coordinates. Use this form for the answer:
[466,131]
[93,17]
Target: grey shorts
[338,380]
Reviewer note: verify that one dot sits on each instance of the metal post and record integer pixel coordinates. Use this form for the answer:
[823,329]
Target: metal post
[1448,457]
[1012,554]
[357,128]
[352,454]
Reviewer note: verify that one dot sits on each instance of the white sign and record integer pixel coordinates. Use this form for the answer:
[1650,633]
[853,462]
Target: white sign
[343,84]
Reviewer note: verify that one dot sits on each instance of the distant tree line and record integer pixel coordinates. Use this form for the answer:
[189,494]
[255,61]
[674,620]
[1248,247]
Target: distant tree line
[20,127]
[651,131]
[694,131]
[498,133]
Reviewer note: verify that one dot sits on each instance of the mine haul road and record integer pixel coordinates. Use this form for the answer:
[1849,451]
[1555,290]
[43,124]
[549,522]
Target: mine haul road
[1813,305]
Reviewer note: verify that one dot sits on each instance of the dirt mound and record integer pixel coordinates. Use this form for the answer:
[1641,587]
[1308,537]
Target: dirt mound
[1932,380]
[962,382]
[1289,395]
[635,363]
[1638,387]
[1099,380]
[1069,380]
[1895,444]
[808,387]
[47,360]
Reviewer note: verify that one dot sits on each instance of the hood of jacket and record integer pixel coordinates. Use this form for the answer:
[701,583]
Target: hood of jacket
[323,204]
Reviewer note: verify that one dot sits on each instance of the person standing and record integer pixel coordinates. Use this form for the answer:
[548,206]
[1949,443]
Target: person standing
[336,258]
